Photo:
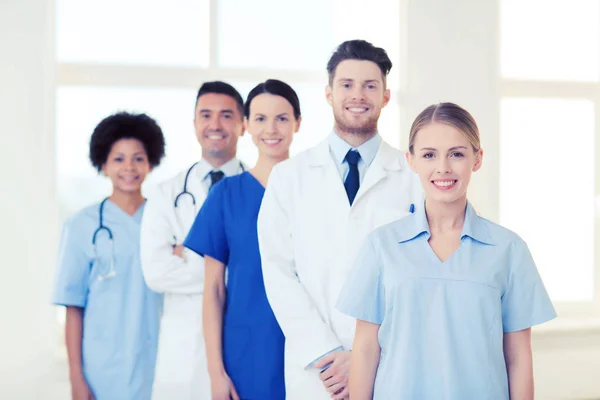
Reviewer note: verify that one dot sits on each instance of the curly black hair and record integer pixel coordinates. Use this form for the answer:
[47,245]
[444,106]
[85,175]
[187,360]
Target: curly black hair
[124,125]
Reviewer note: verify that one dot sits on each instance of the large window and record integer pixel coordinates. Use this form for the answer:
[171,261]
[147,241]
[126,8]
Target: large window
[133,32]
[151,56]
[549,147]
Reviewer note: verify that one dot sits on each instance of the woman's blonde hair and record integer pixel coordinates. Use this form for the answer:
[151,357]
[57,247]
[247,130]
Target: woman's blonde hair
[449,114]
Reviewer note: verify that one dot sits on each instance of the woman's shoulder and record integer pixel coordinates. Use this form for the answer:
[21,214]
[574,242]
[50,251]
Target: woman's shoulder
[500,234]
[226,185]
[85,214]
[240,184]
[79,226]
[234,180]
[227,192]
[399,230]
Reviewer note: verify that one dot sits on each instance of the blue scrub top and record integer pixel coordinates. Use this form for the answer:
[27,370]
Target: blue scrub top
[121,314]
[253,343]
[442,323]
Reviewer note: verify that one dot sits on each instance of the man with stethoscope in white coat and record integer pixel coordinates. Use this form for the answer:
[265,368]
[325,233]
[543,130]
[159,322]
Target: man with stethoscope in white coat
[181,369]
[318,208]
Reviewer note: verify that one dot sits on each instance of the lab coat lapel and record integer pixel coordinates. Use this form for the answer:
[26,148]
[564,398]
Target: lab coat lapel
[386,160]
[328,177]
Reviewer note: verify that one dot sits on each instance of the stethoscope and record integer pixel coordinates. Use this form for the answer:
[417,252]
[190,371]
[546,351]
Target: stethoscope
[185,182]
[101,227]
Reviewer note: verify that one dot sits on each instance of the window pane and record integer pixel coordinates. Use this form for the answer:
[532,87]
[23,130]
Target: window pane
[351,21]
[317,117]
[142,32]
[279,36]
[274,34]
[389,124]
[80,109]
[550,40]
[547,188]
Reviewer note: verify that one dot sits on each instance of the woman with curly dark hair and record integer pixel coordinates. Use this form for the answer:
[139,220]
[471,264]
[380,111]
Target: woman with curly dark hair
[112,317]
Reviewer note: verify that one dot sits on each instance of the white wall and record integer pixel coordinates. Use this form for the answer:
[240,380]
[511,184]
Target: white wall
[567,364]
[27,207]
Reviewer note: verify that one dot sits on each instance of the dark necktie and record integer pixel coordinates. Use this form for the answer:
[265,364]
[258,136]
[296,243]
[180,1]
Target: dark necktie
[215,176]
[352,181]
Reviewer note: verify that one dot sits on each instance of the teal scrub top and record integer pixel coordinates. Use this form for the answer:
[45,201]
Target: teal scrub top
[120,313]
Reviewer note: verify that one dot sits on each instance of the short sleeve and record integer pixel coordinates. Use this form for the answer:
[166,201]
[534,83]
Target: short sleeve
[73,268]
[207,235]
[363,295]
[525,302]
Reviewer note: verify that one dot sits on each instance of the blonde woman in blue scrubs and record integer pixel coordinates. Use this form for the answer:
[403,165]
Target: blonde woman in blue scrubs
[444,299]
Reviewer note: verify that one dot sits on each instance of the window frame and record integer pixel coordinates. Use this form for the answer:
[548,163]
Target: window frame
[590,91]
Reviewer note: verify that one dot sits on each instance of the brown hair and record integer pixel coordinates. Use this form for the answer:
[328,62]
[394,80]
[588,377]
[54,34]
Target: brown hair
[449,114]
[359,50]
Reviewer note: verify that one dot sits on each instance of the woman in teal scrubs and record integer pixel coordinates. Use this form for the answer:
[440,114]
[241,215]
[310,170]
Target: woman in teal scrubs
[112,317]
[244,342]
[444,299]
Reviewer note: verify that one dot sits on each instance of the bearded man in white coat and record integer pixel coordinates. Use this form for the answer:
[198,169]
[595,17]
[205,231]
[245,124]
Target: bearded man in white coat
[181,367]
[318,208]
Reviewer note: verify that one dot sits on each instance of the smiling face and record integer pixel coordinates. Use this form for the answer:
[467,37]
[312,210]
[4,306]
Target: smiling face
[127,165]
[272,125]
[444,159]
[357,94]
[218,124]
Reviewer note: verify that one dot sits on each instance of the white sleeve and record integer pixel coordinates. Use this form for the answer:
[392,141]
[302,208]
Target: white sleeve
[300,320]
[164,271]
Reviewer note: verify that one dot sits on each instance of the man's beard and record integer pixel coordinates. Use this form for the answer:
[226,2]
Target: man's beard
[366,128]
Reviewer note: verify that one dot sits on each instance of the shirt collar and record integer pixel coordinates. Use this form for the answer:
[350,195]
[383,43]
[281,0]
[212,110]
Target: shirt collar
[230,168]
[474,226]
[338,147]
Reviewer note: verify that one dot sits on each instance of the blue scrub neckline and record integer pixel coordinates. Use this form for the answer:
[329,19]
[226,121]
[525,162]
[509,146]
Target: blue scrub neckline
[254,179]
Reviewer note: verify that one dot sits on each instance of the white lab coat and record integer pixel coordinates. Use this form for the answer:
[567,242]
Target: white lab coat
[181,370]
[309,236]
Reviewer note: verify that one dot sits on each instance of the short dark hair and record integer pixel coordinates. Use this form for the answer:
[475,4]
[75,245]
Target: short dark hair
[124,125]
[359,50]
[277,88]
[219,87]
